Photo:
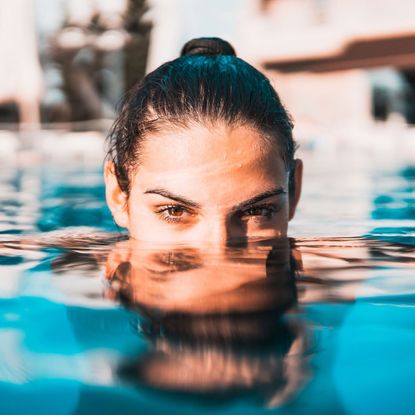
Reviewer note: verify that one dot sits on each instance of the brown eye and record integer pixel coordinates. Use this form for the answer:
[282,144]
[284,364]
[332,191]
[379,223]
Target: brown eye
[257,212]
[175,214]
[175,211]
[265,211]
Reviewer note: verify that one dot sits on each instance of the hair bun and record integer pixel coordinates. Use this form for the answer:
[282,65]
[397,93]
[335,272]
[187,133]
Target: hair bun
[207,46]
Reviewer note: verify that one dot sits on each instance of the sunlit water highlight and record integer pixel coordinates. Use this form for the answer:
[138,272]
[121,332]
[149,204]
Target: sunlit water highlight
[94,323]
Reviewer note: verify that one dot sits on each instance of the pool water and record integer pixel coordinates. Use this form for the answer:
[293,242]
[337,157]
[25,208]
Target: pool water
[322,322]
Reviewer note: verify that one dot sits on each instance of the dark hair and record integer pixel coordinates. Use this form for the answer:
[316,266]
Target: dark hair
[206,84]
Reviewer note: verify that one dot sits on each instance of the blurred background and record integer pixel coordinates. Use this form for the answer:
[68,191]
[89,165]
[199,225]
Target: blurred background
[333,61]
[345,70]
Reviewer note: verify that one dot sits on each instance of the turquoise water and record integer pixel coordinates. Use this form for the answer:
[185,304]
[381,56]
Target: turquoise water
[93,323]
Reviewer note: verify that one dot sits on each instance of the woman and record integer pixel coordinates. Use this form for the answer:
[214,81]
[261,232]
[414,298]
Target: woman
[203,151]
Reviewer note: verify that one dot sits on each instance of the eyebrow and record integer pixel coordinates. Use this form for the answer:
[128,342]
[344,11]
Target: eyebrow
[181,199]
[258,198]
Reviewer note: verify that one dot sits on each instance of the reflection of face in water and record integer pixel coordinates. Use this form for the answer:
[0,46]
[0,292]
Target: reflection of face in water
[214,321]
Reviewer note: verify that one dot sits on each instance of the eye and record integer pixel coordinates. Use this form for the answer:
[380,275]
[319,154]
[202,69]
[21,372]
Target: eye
[262,211]
[174,213]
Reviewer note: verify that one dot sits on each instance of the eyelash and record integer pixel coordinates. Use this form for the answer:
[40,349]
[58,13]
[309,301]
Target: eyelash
[163,212]
[169,218]
[270,209]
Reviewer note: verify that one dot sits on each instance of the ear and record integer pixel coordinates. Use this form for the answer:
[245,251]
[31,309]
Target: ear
[116,198]
[117,269]
[295,189]
[120,254]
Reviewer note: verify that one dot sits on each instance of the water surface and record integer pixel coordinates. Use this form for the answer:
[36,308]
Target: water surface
[322,322]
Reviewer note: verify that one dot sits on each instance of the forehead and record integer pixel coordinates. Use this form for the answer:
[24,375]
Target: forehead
[200,147]
[202,158]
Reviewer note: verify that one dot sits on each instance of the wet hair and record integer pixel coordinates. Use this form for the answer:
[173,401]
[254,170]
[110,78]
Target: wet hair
[207,84]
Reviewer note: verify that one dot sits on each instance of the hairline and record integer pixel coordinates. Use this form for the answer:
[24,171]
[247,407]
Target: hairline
[173,125]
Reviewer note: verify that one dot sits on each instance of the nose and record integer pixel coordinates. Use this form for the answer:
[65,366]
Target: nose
[223,233]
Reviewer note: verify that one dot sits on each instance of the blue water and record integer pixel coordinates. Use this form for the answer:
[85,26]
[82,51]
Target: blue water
[319,324]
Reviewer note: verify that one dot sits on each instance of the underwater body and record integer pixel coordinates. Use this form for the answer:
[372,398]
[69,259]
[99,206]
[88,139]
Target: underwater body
[320,322]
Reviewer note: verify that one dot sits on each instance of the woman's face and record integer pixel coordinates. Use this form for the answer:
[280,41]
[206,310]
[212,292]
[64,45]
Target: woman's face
[208,185]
